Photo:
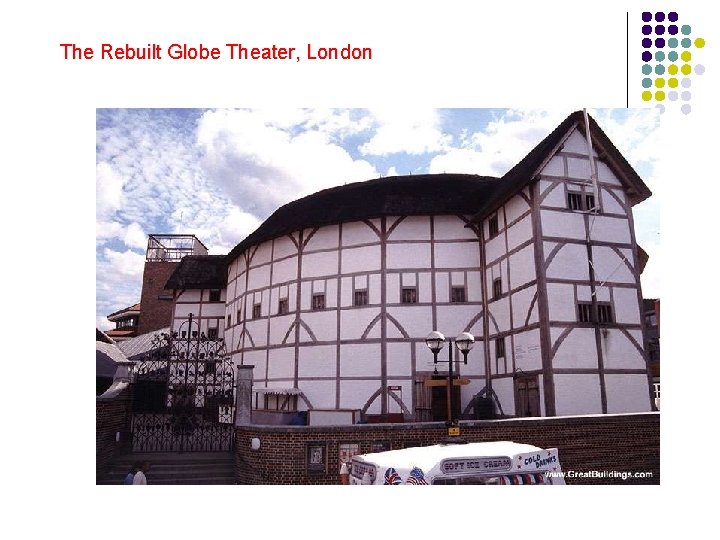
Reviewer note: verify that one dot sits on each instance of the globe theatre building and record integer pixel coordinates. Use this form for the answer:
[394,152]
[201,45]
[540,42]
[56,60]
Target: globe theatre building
[331,298]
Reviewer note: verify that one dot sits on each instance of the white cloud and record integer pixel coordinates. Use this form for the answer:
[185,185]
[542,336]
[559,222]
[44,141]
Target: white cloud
[503,143]
[409,131]
[128,263]
[109,190]
[261,164]
[135,237]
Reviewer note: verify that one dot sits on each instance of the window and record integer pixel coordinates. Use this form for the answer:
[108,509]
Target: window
[602,315]
[214,296]
[497,288]
[361,298]
[283,306]
[318,301]
[409,295]
[493,225]
[212,333]
[605,315]
[256,313]
[457,295]
[500,348]
[229,320]
[576,200]
[585,312]
[238,316]
[589,201]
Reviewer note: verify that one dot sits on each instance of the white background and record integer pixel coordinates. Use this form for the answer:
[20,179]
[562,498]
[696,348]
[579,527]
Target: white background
[458,54]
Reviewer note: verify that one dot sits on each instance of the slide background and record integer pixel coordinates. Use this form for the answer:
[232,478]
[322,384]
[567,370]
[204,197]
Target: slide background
[459,54]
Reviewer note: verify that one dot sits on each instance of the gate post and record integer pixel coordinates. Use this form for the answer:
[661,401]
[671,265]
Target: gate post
[243,399]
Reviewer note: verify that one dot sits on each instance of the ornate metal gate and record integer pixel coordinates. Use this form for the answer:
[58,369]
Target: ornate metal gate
[184,394]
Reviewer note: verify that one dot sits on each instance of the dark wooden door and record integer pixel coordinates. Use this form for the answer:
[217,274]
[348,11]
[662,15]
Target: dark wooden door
[527,396]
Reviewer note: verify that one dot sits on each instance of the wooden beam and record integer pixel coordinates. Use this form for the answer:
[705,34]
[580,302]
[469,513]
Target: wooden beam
[443,382]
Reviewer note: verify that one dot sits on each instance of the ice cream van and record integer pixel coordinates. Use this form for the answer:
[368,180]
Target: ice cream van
[493,463]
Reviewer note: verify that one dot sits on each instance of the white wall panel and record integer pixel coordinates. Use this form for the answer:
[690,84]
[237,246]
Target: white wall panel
[358,360]
[627,393]
[578,349]
[577,394]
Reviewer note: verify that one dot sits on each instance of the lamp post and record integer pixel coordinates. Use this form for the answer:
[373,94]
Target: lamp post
[464,342]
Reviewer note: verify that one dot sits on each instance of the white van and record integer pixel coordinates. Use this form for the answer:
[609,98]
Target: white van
[494,463]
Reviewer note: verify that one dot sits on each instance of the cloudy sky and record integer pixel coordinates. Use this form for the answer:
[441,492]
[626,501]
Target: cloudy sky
[218,173]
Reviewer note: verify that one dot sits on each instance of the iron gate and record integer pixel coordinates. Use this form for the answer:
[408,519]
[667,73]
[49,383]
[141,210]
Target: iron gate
[184,394]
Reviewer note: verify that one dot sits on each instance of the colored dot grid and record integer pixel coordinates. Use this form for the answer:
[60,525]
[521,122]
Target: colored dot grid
[670,65]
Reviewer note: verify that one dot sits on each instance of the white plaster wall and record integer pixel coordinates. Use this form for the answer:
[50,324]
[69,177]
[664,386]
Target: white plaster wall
[258,331]
[320,393]
[317,361]
[360,360]
[259,277]
[610,204]
[354,394]
[571,262]
[578,168]
[474,287]
[495,248]
[214,309]
[505,392]
[415,320]
[577,394]
[577,143]
[578,350]
[324,238]
[520,232]
[611,229]
[627,393]
[361,259]
[457,255]
[555,198]
[283,247]
[606,175]
[563,224]
[424,287]
[281,363]
[526,350]
[189,296]
[455,318]
[183,310]
[356,232]
[610,267]
[408,255]
[257,359]
[318,264]
[442,286]
[399,363]
[554,167]
[354,322]
[451,228]
[515,207]
[323,324]
[521,302]
[410,228]
[262,254]
[561,302]
[279,327]
[500,311]
[523,267]
[619,352]
[285,270]
[627,309]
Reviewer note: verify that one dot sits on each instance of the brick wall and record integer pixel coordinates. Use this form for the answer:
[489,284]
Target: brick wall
[154,313]
[590,443]
[112,415]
